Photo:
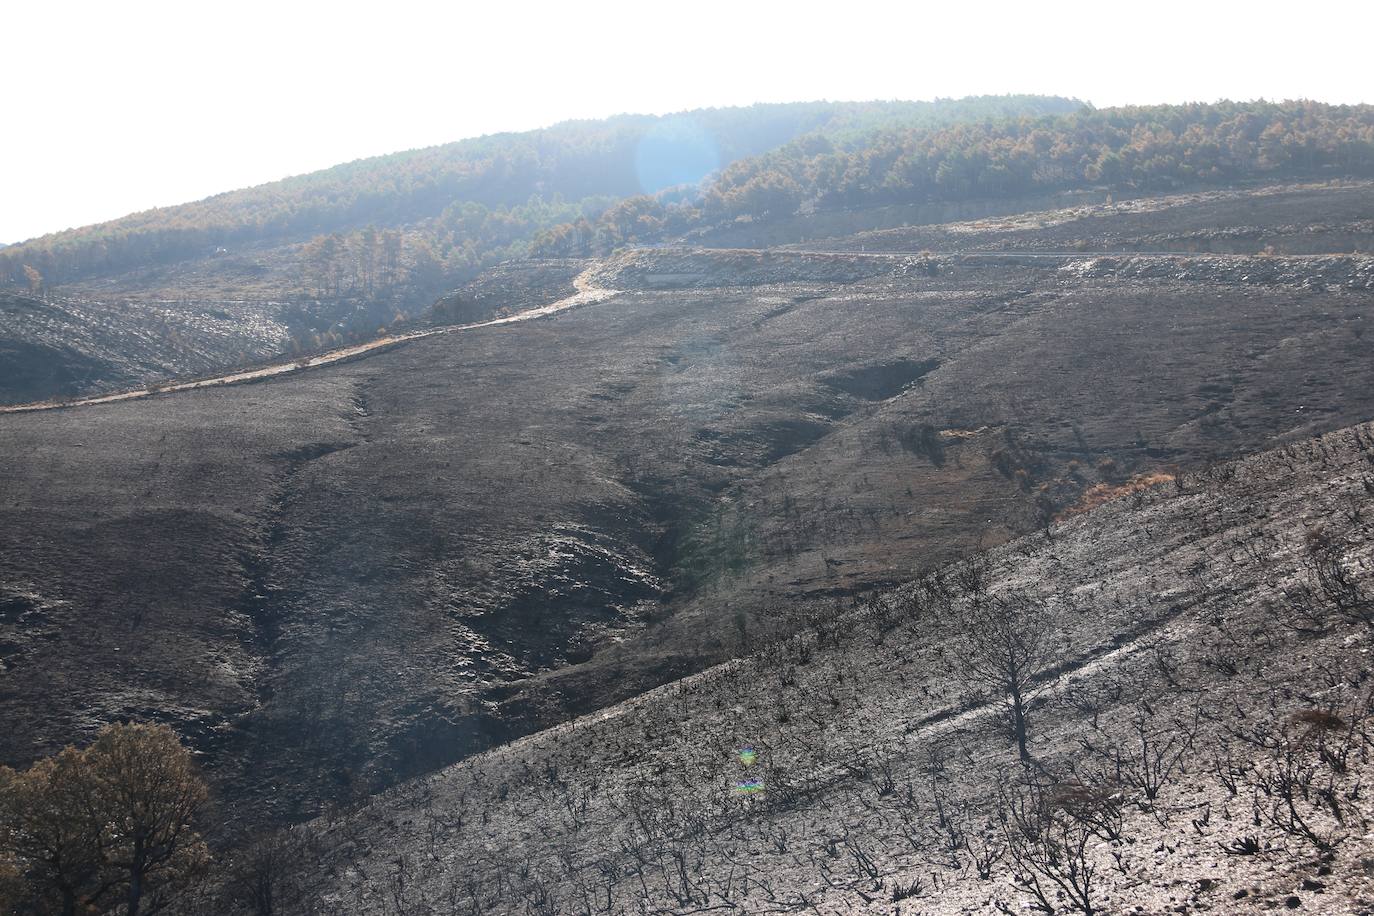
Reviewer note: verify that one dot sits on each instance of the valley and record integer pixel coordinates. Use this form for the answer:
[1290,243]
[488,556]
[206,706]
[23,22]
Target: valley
[837,507]
[1182,677]
[378,564]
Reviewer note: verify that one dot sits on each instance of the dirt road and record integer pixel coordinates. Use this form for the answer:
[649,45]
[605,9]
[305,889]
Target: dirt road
[586,295]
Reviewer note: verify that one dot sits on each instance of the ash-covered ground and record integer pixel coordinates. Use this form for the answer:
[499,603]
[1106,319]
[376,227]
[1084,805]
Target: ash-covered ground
[340,578]
[1200,721]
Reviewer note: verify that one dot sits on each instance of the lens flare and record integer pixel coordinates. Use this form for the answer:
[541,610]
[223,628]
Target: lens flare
[675,151]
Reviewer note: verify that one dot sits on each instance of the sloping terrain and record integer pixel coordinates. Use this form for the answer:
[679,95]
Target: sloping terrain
[55,354]
[520,179]
[1201,725]
[326,258]
[1279,219]
[65,353]
[337,578]
[58,348]
[322,259]
[812,189]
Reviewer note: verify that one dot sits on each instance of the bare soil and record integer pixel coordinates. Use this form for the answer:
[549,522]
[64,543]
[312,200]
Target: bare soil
[332,580]
[1186,670]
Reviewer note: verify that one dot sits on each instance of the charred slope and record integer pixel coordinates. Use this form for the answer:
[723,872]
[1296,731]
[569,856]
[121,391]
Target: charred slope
[60,348]
[336,579]
[305,261]
[1199,730]
[1291,219]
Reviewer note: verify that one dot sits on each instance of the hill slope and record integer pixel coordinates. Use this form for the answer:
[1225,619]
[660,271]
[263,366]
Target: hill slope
[325,258]
[574,161]
[1200,728]
[898,177]
[57,348]
[338,578]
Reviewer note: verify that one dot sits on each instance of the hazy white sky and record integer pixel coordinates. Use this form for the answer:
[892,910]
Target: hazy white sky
[113,107]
